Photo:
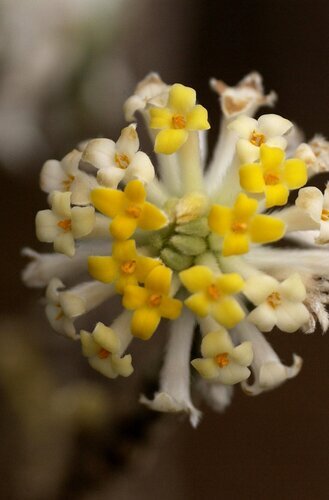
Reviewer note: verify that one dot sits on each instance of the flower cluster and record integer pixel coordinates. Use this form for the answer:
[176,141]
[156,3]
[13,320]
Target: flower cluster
[187,244]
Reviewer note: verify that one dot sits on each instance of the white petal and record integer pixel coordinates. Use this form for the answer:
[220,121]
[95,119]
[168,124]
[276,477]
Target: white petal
[310,199]
[326,198]
[243,354]
[46,226]
[110,176]
[83,221]
[133,103]
[61,204]
[52,292]
[106,338]
[247,152]
[215,343]
[273,125]
[233,373]
[323,237]
[258,287]
[291,316]
[64,243]
[60,323]
[103,366]
[165,403]
[70,162]
[52,176]
[277,142]
[122,366]
[100,153]
[89,346]
[128,142]
[264,317]
[244,126]
[71,304]
[207,368]
[81,187]
[140,168]
[293,288]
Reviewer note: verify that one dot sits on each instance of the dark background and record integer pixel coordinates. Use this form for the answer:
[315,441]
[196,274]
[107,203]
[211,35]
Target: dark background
[274,446]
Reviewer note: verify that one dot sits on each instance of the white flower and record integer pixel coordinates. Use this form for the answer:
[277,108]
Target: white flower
[279,304]
[221,360]
[65,175]
[120,161]
[268,129]
[151,90]
[316,204]
[102,347]
[63,224]
[315,154]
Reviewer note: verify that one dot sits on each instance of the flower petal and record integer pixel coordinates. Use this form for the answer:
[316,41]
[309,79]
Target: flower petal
[83,221]
[89,346]
[272,125]
[276,195]
[151,218]
[145,266]
[181,98]
[243,353]
[108,201]
[271,158]
[244,207]
[128,142]
[159,280]
[251,178]
[291,316]
[197,118]
[106,338]
[264,317]
[220,219]
[196,278]
[140,168]
[258,287]
[199,304]
[206,367]
[246,151]
[64,243]
[293,288]
[103,268]
[46,226]
[227,312]
[170,308]
[216,343]
[123,226]
[310,198]
[230,283]
[169,141]
[243,126]
[235,244]
[161,118]
[124,250]
[135,191]
[144,322]
[265,229]
[233,373]
[110,176]
[295,173]
[134,297]
[122,366]
[99,153]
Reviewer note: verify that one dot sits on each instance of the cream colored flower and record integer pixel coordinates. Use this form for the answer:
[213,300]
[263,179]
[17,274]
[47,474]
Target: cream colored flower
[316,204]
[278,304]
[268,129]
[151,90]
[63,224]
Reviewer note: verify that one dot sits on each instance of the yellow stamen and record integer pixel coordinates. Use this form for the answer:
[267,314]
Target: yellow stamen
[103,354]
[178,121]
[274,300]
[155,299]
[128,267]
[67,183]
[325,215]
[222,359]
[271,179]
[257,138]
[239,227]
[65,225]
[122,160]
[134,211]
[213,292]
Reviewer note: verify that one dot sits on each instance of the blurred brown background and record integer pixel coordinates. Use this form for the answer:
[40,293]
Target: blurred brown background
[65,69]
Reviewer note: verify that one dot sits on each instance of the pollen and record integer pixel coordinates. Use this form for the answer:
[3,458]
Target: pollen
[274,300]
[222,359]
[271,179]
[134,211]
[325,215]
[257,138]
[67,182]
[128,267]
[213,292]
[122,160]
[239,227]
[103,354]
[65,225]
[178,121]
[155,299]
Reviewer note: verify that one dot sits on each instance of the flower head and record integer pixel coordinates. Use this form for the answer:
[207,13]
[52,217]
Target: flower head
[316,206]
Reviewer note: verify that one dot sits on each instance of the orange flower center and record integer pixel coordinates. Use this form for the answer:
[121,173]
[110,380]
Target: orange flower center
[134,211]
[271,179]
[155,299]
[256,138]
[122,160]
[60,314]
[274,300]
[239,227]
[128,267]
[325,215]
[67,183]
[178,121]
[222,359]
[103,354]
[65,225]
[213,292]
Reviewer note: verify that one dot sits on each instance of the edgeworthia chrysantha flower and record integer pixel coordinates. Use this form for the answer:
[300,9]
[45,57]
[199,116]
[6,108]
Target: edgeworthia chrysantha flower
[187,245]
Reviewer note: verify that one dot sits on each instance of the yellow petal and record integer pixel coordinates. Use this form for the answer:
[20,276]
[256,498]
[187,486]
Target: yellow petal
[124,250]
[106,338]
[198,303]
[103,269]
[135,191]
[244,208]
[227,312]
[276,195]
[151,218]
[206,367]
[196,278]
[197,118]
[134,297]
[89,346]
[125,280]
[169,141]
[170,308]
[230,283]
[220,219]
[160,118]
[271,158]
[145,266]
[215,343]
[108,201]
[235,244]
[159,280]
[251,178]
[144,322]
[295,173]
[122,227]
[264,229]
[181,98]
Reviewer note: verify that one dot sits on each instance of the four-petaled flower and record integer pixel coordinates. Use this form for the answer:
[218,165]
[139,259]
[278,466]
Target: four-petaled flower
[128,209]
[240,225]
[176,120]
[151,303]
[120,161]
[268,129]
[278,304]
[102,348]
[222,361]
[316,204]
[124,267]
[212,294]
[63,224]
[273,175]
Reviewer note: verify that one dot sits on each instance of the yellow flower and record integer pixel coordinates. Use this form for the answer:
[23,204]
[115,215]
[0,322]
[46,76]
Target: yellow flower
[212,294]
[180,116]
[128,209]
[241,224]
[151,303]
[273,175]
[124,267]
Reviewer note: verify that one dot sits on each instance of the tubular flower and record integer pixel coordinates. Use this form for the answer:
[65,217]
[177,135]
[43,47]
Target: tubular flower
[188,244]
[151,303]
[128,209]
[212,294]
[176,120]
[240,225]
[273,176]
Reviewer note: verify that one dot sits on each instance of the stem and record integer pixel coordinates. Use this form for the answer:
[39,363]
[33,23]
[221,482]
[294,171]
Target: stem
[121,325]
[190,165]
[157,193]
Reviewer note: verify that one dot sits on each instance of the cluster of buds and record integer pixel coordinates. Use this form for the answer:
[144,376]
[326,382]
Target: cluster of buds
[187,244]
